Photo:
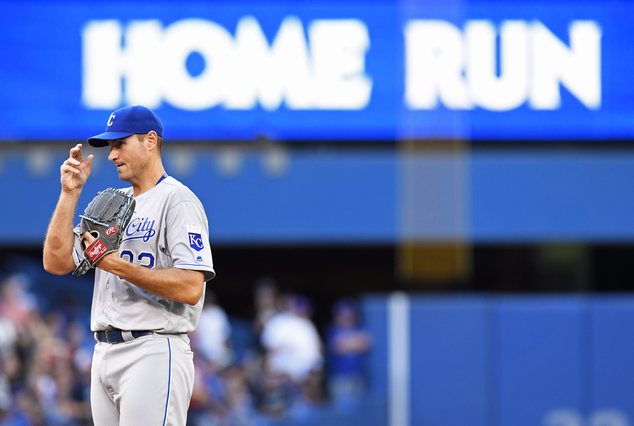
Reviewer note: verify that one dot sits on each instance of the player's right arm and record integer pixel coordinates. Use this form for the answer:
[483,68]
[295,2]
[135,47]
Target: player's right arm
[59,241]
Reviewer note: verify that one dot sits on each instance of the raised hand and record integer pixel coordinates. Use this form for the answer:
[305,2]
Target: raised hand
[75,170]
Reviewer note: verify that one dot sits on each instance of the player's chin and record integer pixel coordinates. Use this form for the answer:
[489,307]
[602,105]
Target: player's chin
[122,170]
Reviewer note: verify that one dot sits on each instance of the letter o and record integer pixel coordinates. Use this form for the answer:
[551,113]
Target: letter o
[214,44]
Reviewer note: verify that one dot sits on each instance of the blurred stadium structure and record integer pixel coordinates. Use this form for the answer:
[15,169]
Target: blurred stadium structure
[445,184]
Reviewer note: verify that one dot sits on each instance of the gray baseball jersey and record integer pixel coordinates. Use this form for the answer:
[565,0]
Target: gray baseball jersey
[168,229]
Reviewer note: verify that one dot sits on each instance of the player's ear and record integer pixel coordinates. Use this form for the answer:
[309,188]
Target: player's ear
[151,140]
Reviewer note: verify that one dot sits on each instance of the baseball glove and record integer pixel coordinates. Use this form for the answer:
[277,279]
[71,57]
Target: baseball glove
[106,218]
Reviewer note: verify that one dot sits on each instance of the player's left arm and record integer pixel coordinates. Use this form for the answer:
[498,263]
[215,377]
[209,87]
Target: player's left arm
[181,285]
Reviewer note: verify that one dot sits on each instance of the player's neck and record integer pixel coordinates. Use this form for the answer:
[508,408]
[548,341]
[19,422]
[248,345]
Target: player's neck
[149,179]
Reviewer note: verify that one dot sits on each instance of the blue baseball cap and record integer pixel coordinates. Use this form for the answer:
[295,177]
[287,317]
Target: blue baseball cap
[128,121]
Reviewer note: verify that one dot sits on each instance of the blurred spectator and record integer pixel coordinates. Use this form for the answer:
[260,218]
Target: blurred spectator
[5,401]
[273,392]
[212,335]
[291,341]
[221,397]
[16,304]
[238,398]
[266,302]
[347,343]
[39,377]
[293,360]
[207,406]
[45,360]
[8,336]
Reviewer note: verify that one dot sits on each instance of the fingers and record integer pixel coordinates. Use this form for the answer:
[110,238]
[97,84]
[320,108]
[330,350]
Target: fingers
[76,160]
[74,170]
[87,238]
[71,165]
[65,168]
[76,154]
[88,164]
[73,162]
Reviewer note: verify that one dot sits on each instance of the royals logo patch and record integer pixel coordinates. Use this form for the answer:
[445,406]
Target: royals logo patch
[196,241]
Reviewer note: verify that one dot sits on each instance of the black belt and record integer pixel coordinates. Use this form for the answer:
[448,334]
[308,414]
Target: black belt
[116,336]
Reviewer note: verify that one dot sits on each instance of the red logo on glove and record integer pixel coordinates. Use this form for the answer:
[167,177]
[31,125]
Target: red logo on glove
[111,230]
[95,250]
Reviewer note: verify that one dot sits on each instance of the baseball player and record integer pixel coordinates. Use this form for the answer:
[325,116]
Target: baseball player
[149,294]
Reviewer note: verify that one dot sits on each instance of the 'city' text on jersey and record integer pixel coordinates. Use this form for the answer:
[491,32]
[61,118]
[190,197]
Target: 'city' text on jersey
[140,227]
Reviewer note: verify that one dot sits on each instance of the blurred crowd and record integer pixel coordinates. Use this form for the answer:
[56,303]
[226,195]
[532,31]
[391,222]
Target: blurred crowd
[277,367]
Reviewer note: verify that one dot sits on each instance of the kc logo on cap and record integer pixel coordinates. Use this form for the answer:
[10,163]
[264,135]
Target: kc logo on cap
[130,120]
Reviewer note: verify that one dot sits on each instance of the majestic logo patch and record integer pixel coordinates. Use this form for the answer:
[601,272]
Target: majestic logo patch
[196,241]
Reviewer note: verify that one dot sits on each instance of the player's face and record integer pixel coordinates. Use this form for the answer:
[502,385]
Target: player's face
[130,157]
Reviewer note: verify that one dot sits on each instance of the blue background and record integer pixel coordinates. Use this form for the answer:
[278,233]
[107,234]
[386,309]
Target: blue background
[493,361]
[361,197]
[41,53]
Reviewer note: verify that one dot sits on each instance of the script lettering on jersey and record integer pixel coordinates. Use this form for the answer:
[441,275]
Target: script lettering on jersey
[140,227]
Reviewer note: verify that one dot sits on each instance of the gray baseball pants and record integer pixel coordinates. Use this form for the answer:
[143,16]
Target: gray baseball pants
[145,381]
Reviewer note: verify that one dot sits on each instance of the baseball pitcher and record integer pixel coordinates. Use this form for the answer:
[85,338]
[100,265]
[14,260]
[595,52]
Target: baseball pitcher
[149,246]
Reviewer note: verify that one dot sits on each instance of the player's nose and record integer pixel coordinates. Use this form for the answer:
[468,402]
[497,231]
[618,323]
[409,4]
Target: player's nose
[112,155]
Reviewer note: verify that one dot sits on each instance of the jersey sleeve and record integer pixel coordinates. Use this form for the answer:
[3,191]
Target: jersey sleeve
[78,247]
[187,235]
